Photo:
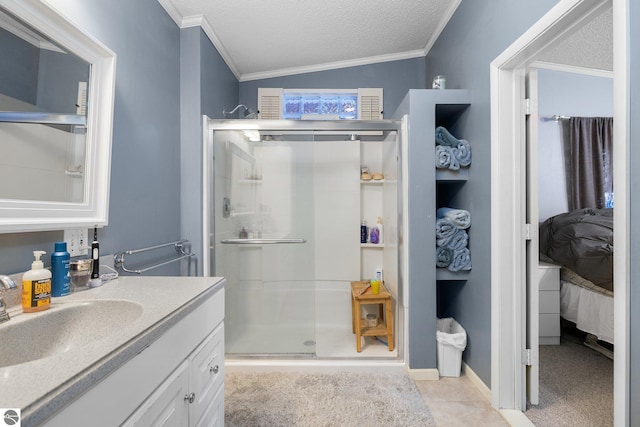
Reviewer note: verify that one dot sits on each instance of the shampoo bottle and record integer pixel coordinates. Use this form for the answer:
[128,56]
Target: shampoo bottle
[380,230]
[36,286]
[363,232]
[60,270]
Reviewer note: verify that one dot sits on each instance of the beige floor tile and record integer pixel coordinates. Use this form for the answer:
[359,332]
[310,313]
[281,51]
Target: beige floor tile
[457,402]
[450,389]
[458,414]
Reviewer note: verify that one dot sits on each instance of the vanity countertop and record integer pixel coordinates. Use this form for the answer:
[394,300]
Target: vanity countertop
[44,386]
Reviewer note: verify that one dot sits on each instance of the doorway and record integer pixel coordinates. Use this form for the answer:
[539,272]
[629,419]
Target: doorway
[509,201]
[570,307]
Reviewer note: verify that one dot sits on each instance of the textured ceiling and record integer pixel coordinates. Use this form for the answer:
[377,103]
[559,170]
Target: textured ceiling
[261,39]
[591,47]
[267,38]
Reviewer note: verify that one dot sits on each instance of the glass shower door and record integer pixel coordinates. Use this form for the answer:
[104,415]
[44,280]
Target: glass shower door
[264,233]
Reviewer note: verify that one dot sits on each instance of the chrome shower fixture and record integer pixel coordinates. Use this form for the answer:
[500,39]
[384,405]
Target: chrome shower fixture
[248,113]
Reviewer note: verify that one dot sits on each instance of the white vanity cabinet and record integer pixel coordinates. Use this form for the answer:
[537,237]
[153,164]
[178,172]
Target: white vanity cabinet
[178,380]
[192,395]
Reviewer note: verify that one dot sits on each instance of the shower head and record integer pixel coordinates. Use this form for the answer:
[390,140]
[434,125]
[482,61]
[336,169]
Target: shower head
[247,114]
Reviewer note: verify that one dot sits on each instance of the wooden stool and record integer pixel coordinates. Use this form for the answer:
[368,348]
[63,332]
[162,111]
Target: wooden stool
[385,324]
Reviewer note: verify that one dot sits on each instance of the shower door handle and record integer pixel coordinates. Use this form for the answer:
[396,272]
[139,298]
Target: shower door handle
[260,241]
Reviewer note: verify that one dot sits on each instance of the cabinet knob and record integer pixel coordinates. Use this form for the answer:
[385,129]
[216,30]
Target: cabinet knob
[190,397]
[214,369]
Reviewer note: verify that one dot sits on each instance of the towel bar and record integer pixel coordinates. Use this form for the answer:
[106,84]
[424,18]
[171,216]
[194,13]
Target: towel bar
[119,258]
[260,241]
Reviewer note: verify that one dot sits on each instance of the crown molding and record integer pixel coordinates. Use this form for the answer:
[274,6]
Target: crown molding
[27,34]
[200,20]
[332,65]
[193,21]
[443,23]
[172,11]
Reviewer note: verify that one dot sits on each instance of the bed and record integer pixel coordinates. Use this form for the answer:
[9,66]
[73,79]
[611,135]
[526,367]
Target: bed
[581,242]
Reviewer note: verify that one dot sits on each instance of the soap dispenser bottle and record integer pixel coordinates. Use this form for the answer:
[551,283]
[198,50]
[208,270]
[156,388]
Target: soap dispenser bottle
[60,270]
[36,286]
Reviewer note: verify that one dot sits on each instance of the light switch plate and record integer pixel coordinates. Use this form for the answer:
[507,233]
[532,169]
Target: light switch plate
[77,243]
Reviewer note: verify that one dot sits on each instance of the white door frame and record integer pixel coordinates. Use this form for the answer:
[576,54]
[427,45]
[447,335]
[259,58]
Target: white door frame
[507,201]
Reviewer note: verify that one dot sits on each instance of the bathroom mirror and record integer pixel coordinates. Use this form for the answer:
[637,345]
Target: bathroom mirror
[56,106]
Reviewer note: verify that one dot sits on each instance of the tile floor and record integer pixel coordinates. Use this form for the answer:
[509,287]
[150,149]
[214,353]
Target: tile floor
[457,402]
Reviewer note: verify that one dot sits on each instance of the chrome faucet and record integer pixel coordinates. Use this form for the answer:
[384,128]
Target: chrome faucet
[6,284]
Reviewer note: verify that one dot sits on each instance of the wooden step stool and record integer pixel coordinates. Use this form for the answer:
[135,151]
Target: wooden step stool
[385,322]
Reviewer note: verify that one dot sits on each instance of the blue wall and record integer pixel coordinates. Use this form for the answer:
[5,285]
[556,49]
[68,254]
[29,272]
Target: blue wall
[477,33]
[396,77]
[208,86]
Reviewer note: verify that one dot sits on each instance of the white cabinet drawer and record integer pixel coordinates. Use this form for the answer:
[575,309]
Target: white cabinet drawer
[548,277]
[549,325]
[214,413]
[549,302]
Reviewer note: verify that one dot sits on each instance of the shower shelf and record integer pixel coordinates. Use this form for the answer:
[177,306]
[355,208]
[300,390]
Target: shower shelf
[373,181]
[248,213]
[372,245]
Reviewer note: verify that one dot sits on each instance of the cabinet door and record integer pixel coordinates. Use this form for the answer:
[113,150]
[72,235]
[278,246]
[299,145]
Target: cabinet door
[206,375]
[167,405]
[213,415]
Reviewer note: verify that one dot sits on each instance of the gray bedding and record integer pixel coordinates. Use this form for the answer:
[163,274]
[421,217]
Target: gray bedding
[581,240]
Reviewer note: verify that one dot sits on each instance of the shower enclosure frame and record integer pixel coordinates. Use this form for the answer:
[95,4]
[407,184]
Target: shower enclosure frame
[349,128]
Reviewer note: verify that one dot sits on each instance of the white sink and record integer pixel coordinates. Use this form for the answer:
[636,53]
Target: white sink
[64,327]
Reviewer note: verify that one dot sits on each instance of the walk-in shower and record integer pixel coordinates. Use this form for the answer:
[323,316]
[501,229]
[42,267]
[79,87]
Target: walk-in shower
[284,204]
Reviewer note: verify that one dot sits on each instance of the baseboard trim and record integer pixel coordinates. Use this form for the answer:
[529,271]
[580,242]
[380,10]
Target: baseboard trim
[516,418]
[476,381]
[424,374]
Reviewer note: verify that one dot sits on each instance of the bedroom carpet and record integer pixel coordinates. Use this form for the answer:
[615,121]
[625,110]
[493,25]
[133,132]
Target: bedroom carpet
[337,399]
[576,385]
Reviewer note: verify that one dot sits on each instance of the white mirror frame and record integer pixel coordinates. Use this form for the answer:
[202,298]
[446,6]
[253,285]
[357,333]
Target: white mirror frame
[23,215]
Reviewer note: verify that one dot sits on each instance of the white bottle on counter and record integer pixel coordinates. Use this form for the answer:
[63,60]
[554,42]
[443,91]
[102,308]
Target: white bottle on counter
[380,231]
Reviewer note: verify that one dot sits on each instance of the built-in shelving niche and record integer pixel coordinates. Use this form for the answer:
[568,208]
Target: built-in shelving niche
[448,182]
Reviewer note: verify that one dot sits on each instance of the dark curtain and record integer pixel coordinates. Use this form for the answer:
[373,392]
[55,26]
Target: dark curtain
[590,174]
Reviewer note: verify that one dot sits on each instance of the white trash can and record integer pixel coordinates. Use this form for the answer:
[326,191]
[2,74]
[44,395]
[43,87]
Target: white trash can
[452,340]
